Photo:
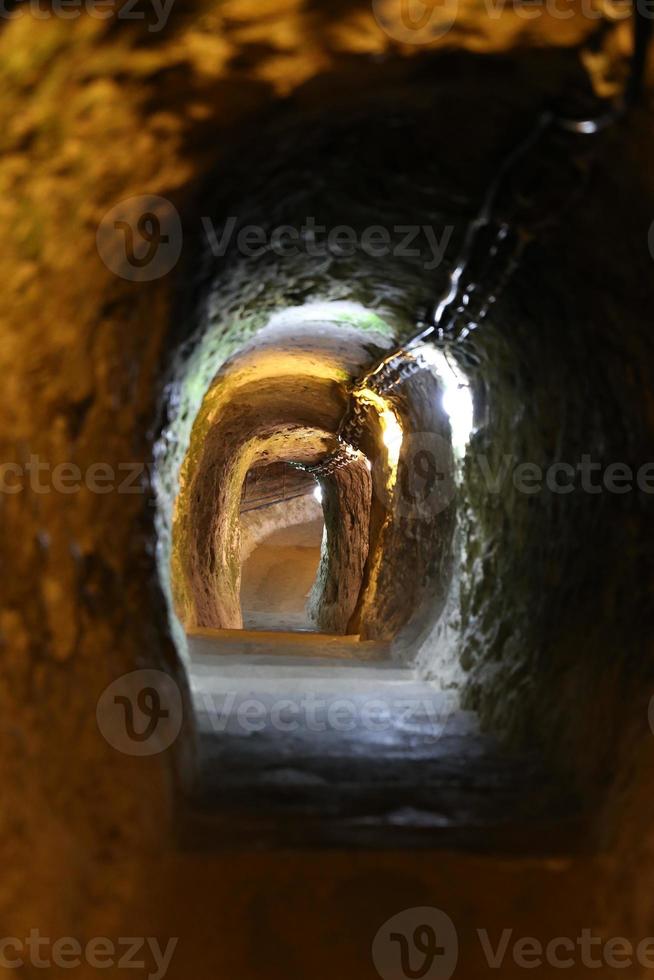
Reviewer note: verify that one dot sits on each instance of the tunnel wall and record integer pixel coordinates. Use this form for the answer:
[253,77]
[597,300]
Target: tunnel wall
[86,359]
[346,495]
[499,625]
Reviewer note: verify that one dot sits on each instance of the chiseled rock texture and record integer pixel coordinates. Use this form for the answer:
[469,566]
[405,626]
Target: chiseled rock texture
[557,609]
[260,522]
[279,400]
[347,497]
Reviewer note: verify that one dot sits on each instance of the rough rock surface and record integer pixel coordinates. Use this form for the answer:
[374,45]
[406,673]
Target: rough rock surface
[280,399]
[97,111]
[346,503]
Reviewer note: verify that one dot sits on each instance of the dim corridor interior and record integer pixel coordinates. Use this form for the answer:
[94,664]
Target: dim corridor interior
[304,743]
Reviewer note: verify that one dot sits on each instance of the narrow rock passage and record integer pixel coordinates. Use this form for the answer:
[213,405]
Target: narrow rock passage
[277,578]
[303,742]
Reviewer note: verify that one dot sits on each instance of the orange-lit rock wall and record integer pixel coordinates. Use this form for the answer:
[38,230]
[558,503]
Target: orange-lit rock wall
[94,112]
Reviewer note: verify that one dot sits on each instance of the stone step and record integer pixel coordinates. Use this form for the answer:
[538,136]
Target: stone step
[278,643]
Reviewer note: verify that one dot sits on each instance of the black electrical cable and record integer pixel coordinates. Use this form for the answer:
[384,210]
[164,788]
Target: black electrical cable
[520,201]
[534,186]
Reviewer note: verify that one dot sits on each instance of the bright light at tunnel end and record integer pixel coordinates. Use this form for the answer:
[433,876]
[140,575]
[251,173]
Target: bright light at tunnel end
[457,395]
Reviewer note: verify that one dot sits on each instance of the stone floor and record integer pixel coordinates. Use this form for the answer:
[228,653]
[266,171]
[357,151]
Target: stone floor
[309,740]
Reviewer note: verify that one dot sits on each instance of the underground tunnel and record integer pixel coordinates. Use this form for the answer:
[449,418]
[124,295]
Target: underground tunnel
[336,514]
[379,577]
